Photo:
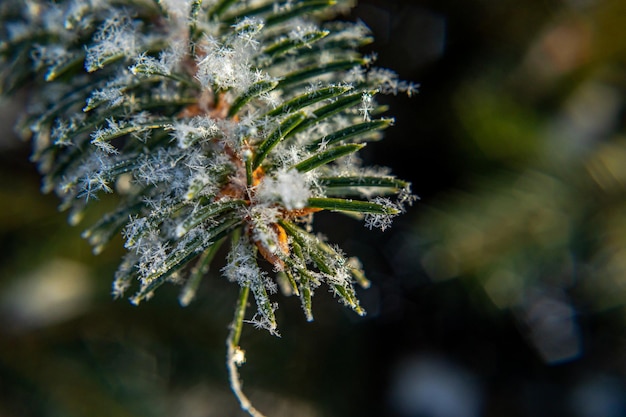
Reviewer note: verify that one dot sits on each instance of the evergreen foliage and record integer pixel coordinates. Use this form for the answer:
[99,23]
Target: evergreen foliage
[213,122]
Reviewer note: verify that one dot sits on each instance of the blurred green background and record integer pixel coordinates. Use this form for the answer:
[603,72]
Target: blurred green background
[500,293]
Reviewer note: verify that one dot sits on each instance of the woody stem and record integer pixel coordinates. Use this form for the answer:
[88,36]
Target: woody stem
[235,356]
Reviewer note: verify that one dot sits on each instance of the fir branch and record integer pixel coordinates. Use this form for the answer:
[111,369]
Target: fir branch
[225,120]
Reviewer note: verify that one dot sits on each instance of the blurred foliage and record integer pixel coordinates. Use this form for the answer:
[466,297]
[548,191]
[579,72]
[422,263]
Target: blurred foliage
[517,145]
[548,216]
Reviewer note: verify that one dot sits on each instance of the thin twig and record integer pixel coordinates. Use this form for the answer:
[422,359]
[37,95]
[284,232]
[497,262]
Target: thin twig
[235,356]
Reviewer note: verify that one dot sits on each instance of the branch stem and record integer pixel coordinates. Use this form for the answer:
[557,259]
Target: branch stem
[235,356]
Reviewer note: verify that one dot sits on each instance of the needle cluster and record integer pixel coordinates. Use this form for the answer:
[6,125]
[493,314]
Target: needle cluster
[210,120]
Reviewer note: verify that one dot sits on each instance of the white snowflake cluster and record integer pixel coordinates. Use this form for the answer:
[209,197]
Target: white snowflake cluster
[118,36]
[291,189]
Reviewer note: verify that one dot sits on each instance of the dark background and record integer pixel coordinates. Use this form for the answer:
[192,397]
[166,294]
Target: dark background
[500,293]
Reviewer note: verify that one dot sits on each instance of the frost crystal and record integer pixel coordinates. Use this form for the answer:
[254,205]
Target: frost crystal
[116,36]
[289,188]
[381,221]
